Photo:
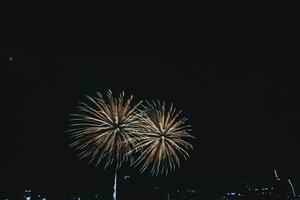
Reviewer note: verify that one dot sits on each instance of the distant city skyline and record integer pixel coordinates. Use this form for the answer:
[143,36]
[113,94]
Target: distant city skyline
[276,188]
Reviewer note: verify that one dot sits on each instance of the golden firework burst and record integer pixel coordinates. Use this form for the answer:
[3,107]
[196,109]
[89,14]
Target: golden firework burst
[162,144]
[104,130]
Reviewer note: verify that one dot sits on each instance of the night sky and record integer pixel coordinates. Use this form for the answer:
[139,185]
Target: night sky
[242,102]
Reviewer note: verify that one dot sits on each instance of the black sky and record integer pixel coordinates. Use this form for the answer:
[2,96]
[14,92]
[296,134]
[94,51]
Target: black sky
[241,99]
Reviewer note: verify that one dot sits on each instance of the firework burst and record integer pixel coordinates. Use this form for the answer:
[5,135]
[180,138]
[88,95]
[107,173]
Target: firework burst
[104,129]
[162,144]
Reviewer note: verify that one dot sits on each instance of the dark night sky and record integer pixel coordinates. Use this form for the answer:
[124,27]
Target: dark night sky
[242,101]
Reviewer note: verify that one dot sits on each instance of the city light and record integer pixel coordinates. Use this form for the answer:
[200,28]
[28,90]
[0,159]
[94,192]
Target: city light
[277,188]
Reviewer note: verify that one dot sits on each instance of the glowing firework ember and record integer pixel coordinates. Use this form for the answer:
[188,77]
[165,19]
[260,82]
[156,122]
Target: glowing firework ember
[161,146]
[103,130]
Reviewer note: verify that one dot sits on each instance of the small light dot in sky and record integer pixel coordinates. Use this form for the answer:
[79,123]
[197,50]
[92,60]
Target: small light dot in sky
[10,59]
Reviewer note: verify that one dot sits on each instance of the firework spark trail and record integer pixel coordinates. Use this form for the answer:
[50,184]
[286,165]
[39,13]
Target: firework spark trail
[104,129]
[161,146]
